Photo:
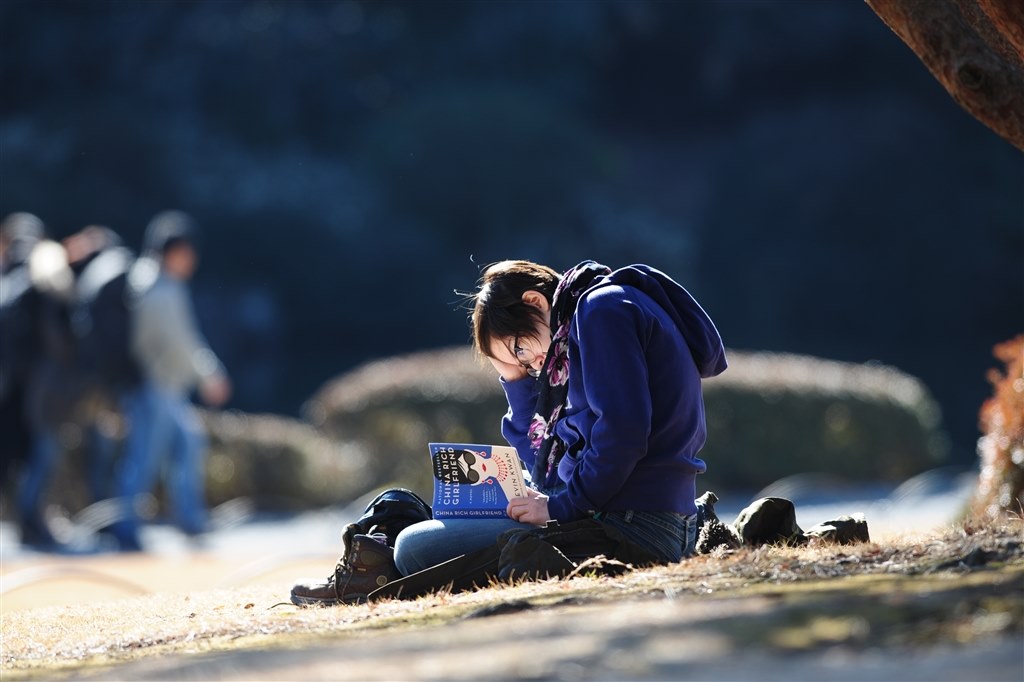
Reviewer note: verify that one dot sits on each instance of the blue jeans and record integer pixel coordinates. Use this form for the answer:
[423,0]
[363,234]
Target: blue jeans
[164,430]
[668,535]
[43,461]
[38,472]
[429,543]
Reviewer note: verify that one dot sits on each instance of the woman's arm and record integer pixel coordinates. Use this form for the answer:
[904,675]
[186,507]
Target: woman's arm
[515,426]
[613,373]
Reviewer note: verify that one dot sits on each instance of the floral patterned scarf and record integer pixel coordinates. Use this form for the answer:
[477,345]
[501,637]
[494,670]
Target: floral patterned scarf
[554,376]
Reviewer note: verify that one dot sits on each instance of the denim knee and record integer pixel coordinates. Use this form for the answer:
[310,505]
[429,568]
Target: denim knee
[409,546]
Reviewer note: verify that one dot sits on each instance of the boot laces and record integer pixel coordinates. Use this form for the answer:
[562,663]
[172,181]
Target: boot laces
[344,564]
[345,560]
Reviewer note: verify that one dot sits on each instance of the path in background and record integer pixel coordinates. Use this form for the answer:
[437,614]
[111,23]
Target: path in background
[259,550]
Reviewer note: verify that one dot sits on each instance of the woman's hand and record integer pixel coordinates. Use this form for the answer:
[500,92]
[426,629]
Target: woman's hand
[533,509]
[509,371]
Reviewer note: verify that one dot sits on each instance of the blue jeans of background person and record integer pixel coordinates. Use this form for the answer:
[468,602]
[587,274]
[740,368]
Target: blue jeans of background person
[669,536]
[39,471]
[164,432]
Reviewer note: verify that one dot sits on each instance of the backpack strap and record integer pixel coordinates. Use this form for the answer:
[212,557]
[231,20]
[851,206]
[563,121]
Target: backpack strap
[463,573]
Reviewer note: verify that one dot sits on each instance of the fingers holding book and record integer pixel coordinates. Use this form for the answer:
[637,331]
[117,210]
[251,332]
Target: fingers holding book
[532,509]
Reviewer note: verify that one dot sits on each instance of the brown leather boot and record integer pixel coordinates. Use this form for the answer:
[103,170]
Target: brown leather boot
[368,563]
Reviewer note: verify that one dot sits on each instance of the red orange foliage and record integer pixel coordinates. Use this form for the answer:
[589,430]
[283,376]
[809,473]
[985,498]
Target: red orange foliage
[1001,447]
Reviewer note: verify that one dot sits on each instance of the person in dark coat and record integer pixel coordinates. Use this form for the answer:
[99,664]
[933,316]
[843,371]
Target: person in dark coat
[37,356]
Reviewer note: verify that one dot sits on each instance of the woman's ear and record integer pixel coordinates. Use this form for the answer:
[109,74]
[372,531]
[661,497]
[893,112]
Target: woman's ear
[537,300]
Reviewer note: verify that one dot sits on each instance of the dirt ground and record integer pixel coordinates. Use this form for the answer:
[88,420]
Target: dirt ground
[54,580]
[667,640]
[947,607]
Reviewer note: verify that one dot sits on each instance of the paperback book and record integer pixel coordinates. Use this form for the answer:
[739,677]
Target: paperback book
[474,480]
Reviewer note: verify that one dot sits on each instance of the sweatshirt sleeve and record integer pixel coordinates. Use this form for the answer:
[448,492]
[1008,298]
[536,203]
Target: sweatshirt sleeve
[613,369]
[515,426]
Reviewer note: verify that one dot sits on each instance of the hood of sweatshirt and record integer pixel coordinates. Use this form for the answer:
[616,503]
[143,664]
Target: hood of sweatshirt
[699,331]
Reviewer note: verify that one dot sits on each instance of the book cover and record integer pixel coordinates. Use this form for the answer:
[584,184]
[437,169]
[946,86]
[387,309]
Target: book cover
[474,480]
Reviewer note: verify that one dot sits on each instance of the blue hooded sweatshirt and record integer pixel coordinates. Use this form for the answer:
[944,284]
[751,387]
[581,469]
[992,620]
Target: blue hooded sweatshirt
[639,345]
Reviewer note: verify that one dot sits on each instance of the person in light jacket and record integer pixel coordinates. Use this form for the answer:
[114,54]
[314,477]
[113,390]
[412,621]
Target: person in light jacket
[175,359]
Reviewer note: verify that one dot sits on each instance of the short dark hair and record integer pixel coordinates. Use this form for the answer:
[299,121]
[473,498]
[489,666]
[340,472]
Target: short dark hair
[21,232]
[170,229]
[498,308]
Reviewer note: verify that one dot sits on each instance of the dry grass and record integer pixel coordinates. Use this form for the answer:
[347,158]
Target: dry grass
[985,563]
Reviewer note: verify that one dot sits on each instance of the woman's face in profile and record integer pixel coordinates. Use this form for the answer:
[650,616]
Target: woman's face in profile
[528,352]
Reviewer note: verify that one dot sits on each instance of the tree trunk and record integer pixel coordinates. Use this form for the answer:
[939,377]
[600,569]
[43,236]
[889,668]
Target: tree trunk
[975,48]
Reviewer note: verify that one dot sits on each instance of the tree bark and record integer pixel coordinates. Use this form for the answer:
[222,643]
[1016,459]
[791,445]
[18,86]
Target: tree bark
[974,48]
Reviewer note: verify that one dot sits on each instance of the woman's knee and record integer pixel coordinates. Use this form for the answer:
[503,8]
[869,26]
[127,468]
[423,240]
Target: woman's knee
[414,544]
[428,543]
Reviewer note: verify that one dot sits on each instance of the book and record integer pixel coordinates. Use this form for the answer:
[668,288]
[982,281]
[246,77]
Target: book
[474,480]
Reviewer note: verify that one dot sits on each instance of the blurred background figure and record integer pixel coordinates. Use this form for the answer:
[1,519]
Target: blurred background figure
[19,232]
[101,323]
[37,354]
[174,358]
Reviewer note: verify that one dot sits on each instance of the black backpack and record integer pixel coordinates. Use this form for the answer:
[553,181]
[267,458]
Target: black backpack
[391,512]
[102,320]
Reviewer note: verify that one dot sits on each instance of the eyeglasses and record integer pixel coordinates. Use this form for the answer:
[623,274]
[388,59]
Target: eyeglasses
[526,358]
[468,459]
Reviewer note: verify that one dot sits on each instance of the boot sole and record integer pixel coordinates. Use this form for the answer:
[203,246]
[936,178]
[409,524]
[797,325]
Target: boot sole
[300,600]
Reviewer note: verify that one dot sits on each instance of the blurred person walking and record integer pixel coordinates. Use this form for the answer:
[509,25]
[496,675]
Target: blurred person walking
[164,429]
[37,352]
[101,312]
[19,232]
[101,322]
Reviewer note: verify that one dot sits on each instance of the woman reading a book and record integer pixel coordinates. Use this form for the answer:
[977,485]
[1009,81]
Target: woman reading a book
[602,370]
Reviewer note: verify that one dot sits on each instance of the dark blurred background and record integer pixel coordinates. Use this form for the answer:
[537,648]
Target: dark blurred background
[354,163]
